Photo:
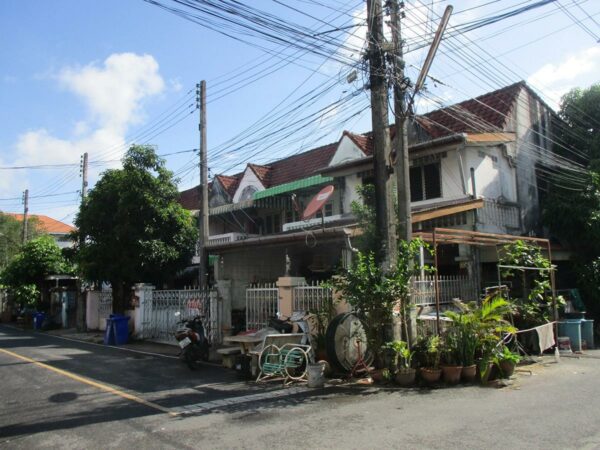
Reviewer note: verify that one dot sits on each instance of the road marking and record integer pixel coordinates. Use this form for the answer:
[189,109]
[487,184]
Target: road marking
[89,382]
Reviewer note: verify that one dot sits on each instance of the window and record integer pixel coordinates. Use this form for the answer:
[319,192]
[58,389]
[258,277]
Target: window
[425,182]
[272,224]
[247,193]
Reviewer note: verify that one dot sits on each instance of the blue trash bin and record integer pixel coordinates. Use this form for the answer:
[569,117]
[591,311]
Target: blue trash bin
[121,328]
[38,320]
[572,329]
[587,332]
[109,333]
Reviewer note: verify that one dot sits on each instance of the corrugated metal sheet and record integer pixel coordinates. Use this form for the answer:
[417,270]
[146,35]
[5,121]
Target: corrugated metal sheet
[292,186]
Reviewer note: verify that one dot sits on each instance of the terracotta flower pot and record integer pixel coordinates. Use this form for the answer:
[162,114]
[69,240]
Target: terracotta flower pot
[469,373]
[405,377]
[378,375]
[507,368]
[430,375]
[451,374]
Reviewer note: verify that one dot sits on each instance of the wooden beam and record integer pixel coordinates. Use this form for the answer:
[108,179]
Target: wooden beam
[446,211]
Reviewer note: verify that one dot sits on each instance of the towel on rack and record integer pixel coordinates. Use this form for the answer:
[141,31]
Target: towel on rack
[545,336]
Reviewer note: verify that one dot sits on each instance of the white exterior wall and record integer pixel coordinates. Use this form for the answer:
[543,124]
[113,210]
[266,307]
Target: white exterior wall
[244,266]
[249,179]
[352,182]
[346,151]
[493,179]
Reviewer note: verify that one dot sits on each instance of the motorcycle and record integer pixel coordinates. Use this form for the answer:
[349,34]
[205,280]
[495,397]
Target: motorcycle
[192,339]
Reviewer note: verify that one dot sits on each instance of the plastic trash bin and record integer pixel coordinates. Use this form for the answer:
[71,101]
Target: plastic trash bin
[587,333]
[38,319]
[572,329]
[109,333]
[121,328]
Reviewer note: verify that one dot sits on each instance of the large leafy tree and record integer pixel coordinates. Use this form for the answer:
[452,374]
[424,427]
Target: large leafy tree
[11,237]
[572,207]
[131,227]
[37,259]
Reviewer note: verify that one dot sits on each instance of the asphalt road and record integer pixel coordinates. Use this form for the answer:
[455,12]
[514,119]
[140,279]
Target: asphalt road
[57,393]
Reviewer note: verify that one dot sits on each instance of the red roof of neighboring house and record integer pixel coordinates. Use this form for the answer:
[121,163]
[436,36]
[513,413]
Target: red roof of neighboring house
[190,198]
[301,165]
[485,113]
[230,182]
[48,224]
[362,141]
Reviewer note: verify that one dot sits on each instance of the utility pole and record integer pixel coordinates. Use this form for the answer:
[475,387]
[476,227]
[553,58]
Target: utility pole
[25,211]
[384,206]
[84,176]
[402,110]
[400,143]
[203,217]
[80,317]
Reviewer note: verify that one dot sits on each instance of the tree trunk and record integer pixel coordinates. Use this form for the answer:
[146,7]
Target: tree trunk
[120,295]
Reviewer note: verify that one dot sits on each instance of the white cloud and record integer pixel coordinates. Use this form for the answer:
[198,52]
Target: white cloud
[114,91]
[556,79]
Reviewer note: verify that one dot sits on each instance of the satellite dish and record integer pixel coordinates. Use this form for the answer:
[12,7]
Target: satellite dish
[318,202]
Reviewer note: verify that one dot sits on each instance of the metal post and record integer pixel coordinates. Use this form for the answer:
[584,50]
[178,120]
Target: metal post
[437,287]
[25,211]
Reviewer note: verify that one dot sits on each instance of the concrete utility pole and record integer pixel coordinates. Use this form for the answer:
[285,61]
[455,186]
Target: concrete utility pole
[400,143]
[25,211]
[84,176]
[384,205]
[80,318]
[203,231]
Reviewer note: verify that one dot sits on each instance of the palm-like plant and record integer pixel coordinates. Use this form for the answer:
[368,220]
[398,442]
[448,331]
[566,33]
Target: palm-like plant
[480,328]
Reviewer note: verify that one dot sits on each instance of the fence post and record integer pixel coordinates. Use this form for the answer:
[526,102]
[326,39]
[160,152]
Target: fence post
[285,286]
[143,309]
[224,289]
[92,317]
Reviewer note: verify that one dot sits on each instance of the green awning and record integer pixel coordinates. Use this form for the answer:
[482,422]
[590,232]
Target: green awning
[292,186]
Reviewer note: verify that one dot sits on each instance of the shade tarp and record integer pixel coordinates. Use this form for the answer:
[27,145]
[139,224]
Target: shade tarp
[292,186]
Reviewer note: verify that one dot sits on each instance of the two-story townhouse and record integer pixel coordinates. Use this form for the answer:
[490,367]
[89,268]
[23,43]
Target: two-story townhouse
[476,165]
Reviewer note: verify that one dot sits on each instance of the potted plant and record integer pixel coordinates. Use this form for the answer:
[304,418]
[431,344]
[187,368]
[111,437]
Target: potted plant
[506,361]
[402,364]
[431,371]
[464,327]
[452,367]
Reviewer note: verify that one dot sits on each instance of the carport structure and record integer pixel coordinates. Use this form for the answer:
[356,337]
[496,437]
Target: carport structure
[445,236]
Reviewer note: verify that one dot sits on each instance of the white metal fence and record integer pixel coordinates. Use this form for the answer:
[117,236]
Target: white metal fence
[105,307]
[311,297]
[159,308]
[450,287]
[262,302]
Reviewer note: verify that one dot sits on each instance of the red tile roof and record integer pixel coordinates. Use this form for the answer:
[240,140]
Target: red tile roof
[230,182]
[362,141]
[486,113]
[190,198]
[301,165]
[48,224]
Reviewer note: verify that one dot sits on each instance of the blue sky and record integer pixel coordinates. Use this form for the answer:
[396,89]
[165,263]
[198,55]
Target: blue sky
[95,76]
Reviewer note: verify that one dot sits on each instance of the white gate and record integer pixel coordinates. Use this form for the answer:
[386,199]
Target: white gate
[262,302]
[159,308]
[105,305]
[311,297]
[450,287]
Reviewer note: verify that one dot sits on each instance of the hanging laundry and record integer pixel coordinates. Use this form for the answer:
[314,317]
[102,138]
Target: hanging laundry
[545,336]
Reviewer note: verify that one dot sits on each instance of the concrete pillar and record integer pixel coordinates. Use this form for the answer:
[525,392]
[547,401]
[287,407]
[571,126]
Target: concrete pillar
[224,289]
[142,314]
[285,285]
[91,310]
